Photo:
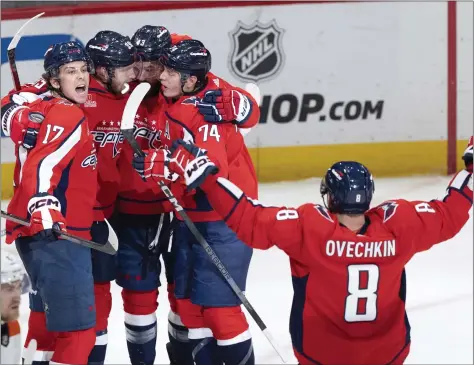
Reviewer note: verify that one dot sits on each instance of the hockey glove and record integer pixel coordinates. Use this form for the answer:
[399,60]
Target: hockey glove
[221,106]
[192,162]
[153,165]
[467,156]
[20,121]
[46,214]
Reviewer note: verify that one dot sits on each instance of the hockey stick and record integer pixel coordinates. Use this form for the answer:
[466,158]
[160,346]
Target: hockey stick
[11,52]
[109,248]
[127,123]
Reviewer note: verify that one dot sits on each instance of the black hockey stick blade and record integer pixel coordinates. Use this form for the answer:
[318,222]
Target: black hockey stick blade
[109,248]
[11,51]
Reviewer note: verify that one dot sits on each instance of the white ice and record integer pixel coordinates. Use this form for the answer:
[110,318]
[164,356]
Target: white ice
[439,297]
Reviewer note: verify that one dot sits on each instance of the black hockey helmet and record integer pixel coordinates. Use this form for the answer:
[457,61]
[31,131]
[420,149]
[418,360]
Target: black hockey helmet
[151,41]
[60,54]
[348,187]
[189,58]
[111,49]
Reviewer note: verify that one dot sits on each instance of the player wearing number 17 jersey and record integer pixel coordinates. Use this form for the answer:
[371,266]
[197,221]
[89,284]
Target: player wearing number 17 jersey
[347,260]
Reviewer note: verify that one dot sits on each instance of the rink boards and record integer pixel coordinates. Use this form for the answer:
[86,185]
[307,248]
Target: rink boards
[364,82]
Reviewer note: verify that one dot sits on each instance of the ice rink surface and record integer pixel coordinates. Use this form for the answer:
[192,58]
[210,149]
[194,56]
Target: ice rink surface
[439,286]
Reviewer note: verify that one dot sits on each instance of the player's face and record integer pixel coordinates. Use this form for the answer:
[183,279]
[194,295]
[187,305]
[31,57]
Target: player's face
[125,75]
[10,300]
[73,81]
[151,72]
[170,83]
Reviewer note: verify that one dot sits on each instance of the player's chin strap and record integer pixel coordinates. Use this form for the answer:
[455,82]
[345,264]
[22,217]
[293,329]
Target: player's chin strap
[200,85]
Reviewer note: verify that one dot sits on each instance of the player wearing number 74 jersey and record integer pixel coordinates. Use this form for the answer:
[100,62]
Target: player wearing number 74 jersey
[347,260]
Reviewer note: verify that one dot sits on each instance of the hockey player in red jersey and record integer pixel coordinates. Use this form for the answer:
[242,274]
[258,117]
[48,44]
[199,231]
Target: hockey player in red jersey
[54,186]
[221,104]
[143,224]
[347,260]
[116,65]
[206,304]
[150,42]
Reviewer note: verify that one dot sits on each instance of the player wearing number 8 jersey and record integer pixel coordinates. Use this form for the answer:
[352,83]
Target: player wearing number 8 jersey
[347,260]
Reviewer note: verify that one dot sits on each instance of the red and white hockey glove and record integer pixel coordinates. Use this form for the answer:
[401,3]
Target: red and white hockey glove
[153,165]
[191,162]
[223,106]
[45,211]
[467,156]
[21,121]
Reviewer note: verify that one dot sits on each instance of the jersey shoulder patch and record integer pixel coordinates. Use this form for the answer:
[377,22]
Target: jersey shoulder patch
[324,212]
[389,209]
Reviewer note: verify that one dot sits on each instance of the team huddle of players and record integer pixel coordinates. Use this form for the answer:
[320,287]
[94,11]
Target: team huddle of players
[74,172]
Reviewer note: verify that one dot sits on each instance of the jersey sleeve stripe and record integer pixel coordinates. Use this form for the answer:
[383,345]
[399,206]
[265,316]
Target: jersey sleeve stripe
[22,155]
[186,129]
[47,164]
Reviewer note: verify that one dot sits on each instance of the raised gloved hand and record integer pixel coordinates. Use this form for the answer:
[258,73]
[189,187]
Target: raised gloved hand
[154,165]
[223,106]
[46,214]
[467,156]
[191,162]
[22,119]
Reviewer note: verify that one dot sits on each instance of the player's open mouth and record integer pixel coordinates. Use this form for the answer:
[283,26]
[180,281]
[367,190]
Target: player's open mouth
[81,89]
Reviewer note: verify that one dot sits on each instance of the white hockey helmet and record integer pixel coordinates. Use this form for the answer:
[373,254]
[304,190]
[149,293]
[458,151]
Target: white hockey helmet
[12,270]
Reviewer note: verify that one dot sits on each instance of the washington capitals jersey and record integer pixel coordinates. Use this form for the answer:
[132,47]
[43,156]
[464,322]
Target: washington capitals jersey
[349,287]
[137,196]
[104,113]
[181,120]
[63,164]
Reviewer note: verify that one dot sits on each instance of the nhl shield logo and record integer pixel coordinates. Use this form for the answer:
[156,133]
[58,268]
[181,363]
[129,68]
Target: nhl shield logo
[256,52]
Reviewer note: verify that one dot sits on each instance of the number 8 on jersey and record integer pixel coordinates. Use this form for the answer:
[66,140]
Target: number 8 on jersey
[362,285]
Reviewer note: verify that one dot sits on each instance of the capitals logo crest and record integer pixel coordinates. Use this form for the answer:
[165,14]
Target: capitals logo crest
[256,52]
[389,209]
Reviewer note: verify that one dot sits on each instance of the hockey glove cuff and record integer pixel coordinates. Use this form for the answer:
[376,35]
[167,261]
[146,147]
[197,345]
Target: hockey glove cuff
[192,163]
[45,211]
[467,156]
[21,122]
[223,106]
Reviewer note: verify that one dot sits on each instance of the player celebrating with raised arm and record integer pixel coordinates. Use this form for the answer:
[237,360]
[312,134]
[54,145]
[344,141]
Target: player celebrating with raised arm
[347,260]
[116,65]
[14,282]
[206,304]
[54,186]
